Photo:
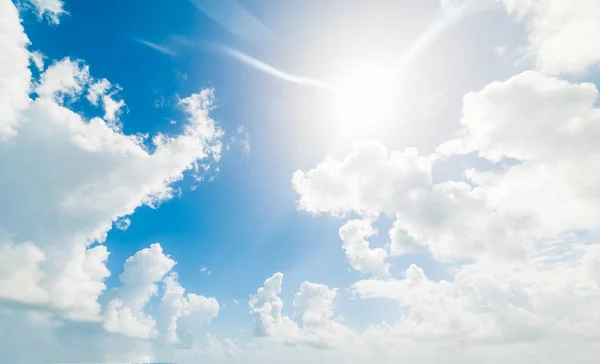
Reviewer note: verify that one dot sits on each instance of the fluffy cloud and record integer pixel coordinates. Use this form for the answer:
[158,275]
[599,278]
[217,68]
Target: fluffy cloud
[519,232]
[313,305]
[66,179]
[181,314]
[123,223]
[125,328]
[548,127]
[311,324]
[370,180]
[101,91]
[563,35]
[266,306]
[64,78]
[38,59]
[184,313]
[125,312]
[519,238]
[19,272]
[489,302]
[49,9]
[551,127]
[358,251]
[14,72]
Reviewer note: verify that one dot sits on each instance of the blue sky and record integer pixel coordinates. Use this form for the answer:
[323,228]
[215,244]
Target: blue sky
[385,177]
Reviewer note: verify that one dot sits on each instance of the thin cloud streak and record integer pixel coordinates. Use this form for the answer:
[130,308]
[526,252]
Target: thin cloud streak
[450,15]
[156,47]
[235,18]
[270,70]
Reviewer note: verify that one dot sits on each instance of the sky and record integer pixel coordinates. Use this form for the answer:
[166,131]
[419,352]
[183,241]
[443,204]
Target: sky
[301,182]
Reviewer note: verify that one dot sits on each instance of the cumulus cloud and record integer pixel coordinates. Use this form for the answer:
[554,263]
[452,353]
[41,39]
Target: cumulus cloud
[88,174]
[551,127]
[63,79]
[66,179]
[14,72]
[563,35]
[313,305]
[266,306]
[548,126]
[19,272]
[125,312]
[520,238]
[489,302]
[311,324]
[360,255]
[185,313]
[369,180]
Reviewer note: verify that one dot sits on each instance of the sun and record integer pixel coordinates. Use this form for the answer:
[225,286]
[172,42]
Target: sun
[363,98]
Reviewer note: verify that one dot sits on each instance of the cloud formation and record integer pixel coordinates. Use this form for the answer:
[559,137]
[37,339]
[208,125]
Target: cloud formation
[515,230]
[563,35]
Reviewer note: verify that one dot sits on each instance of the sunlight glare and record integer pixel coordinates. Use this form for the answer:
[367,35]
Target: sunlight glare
[363,99]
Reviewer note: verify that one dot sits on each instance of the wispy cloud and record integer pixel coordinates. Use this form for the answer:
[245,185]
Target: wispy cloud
[241,139]
[228,11]
[156,47]
[452,12]
[270,70]
[235,18]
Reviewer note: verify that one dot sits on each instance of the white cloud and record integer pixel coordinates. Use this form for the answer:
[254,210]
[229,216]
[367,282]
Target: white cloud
[156,47]
[19,272]
[400,242]
[125,312]
[123,223]
[184,313]
[50,9]
[552,127]
[241,139]
[112,108]
[14,72]
[89,175]
[38,59]
[103,90]
[266,307]
[360,255]
[65,78]
[369,180]
[97,90]
[181,314]
[128,321]
[563,35]
[66,179]
[520,237]
[313,305]
[312,324]
[545,298]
